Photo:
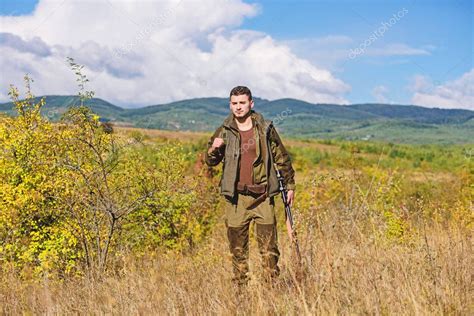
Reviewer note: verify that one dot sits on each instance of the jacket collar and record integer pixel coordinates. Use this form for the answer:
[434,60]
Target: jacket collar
[257,118]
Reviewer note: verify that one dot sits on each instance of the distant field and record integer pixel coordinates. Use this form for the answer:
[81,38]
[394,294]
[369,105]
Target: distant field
[308,151]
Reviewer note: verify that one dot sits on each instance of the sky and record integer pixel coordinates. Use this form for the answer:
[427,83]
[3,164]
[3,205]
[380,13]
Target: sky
[138,53]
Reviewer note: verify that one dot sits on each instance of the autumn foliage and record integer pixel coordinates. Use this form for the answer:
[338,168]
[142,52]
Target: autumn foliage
[74,195]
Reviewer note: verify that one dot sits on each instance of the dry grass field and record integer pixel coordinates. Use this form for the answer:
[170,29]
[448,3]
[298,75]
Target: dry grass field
[375,239]
[345,272]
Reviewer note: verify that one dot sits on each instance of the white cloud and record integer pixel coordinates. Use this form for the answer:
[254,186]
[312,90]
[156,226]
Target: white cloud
[379,93]
[397,49]
[456,94]
[156,51]
[335,51]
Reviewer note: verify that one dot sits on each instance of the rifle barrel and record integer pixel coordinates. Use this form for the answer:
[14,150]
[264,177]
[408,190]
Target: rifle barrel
[289,215]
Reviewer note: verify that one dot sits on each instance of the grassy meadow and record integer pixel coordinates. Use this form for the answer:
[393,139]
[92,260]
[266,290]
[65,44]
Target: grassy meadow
[383,229]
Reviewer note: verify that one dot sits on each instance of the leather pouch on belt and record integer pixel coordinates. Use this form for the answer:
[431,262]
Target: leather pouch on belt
[257,188]
[252,188]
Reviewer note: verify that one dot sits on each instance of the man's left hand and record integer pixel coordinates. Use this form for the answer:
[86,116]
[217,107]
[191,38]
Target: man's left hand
[290,197]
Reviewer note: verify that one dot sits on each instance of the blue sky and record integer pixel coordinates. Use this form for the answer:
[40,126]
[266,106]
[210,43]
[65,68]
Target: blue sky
[447,26]
[425,57]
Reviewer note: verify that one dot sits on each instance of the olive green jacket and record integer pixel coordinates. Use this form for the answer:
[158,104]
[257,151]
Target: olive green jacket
[264,172]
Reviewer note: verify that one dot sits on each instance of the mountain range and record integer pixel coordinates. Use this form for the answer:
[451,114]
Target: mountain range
[295,118]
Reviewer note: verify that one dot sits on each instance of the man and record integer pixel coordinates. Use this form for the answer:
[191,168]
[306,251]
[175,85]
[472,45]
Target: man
[249,148]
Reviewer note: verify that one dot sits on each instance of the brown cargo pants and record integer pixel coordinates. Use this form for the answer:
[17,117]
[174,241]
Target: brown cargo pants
[238,221]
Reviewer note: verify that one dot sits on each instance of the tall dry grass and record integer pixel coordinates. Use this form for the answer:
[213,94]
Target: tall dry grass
[374,241]
[347,271]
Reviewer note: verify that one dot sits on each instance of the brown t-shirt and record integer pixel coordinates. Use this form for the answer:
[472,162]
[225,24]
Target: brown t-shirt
[248,153]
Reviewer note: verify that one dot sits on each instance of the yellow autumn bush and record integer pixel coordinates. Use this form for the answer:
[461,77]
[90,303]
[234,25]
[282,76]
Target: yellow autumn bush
[73,194]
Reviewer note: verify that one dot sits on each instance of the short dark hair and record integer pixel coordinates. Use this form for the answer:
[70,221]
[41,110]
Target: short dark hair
[240,90]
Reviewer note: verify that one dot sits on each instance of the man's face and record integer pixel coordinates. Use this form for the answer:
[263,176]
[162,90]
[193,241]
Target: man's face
[240,105]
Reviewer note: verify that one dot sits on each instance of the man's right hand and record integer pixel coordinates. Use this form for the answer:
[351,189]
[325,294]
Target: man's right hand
[218,142]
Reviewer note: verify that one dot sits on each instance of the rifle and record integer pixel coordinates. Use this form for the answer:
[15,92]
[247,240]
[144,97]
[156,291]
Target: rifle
[289,216]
